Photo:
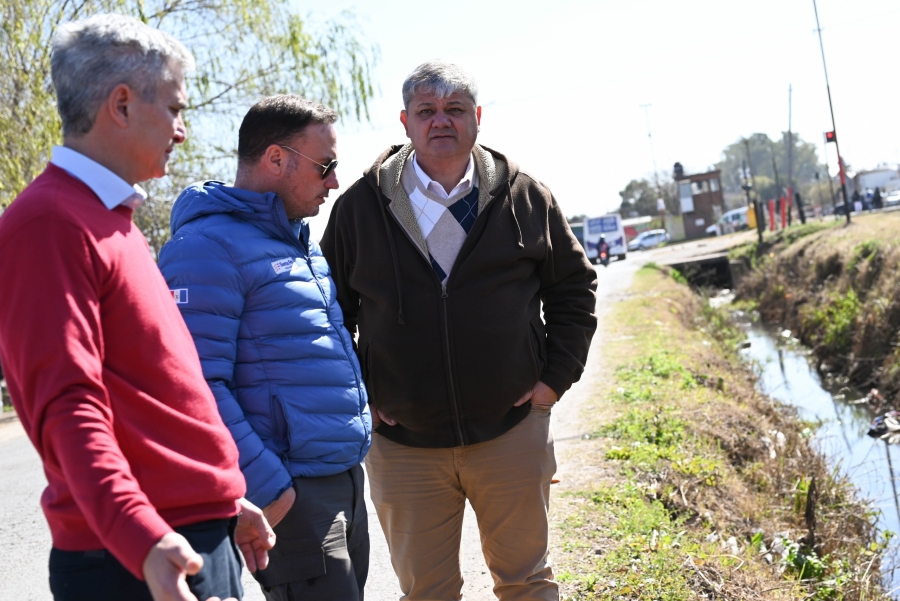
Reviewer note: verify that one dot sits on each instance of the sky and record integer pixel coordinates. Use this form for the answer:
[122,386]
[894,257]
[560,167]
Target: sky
[562,83]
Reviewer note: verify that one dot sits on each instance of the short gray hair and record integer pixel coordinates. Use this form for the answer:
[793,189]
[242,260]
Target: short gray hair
[92,56]
[439,78]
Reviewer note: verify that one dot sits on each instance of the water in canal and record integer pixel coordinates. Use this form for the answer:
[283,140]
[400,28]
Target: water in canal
[787,373]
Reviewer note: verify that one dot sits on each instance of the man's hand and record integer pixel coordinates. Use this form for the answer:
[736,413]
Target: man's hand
[378,417]
[541,396]
[167,565]
[275,511]
[254,536]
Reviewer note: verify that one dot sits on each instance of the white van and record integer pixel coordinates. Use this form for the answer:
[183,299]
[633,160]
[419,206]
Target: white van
[732,221]
[609,226]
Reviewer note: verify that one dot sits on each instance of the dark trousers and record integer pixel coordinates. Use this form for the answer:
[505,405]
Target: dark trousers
[98,576]
[322,548]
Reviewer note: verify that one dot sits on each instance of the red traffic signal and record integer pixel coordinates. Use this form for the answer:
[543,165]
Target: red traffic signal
[830,136]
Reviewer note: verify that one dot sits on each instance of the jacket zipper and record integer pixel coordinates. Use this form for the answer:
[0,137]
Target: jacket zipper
[337,330]
[312,271]
[454,403]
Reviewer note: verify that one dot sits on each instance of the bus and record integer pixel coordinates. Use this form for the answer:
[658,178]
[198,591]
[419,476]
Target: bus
[610,226]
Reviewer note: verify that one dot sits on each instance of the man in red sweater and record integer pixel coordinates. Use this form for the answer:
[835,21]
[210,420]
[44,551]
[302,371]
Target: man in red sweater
[144,489]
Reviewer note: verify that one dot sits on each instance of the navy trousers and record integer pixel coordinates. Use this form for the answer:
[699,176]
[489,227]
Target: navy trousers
[98,576]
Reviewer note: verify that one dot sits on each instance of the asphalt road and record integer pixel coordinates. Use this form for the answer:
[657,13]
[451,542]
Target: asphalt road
[26,539]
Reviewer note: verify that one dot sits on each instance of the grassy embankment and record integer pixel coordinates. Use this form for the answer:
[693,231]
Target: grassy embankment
[693,485]
[837,290]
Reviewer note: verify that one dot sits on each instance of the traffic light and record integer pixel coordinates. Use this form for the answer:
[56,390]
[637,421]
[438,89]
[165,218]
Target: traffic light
[830,136]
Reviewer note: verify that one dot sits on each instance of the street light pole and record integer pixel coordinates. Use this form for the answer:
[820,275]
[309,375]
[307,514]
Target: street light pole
[652,152]
[833,126]
[659,194]
[790,159]
[757,208]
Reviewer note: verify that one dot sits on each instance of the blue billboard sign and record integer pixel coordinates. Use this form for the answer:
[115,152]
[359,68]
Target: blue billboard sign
[603,225]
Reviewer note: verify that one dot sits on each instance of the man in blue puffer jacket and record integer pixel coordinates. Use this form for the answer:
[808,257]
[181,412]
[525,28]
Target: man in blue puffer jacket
[258,298]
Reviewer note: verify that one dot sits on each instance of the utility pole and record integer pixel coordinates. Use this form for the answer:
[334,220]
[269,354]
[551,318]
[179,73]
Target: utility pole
[821,204]
[790,159]
[746,186]
[831,187]
[778,189]
[833,126]
[756,204]
[828,175]
[775,171]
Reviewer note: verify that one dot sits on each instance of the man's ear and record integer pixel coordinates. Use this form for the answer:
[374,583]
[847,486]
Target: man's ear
[478,116]
[118,104]
[274,161]
[403,118]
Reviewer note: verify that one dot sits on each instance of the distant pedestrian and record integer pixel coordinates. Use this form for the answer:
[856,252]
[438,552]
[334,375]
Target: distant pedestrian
[446,255]
[877,201]
[143,488]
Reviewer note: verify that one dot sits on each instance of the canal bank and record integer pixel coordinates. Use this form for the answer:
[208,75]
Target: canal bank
[835,287]
[693,483]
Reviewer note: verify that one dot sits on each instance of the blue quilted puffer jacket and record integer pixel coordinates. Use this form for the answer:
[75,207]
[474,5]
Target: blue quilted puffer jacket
[261,306]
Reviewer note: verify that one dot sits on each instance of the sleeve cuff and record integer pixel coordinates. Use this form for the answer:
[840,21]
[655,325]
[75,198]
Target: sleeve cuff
[558,383]
[133,541]
[262,498]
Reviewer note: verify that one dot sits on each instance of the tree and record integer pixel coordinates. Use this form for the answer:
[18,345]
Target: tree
[762,150]
[766,188]
[244,49]
[640,195]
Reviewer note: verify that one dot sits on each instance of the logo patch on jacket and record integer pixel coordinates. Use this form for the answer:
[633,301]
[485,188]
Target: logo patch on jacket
[180,296]
[282,265]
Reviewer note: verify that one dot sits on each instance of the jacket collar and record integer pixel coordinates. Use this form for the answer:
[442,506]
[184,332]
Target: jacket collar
[493,173]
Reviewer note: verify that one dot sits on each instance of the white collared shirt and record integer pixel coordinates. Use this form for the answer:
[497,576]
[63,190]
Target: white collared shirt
[109,187]
[464,185]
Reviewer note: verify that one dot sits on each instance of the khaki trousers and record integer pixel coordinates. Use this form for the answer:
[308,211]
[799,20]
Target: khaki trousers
[420,497]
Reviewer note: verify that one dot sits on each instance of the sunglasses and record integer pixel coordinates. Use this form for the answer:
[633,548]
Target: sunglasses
[327,169]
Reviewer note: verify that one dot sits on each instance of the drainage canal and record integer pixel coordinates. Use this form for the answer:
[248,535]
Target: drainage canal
[787,373]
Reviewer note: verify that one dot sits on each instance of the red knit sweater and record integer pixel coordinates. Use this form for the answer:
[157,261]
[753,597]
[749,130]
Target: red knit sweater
[105,378]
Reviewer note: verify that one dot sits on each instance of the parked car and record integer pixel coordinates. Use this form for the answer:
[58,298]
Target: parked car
[892,199]
[649,239]
[732,221]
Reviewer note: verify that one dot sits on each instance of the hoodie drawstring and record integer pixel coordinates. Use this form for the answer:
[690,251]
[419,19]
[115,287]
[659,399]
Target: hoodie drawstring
[390,236]
[512,208]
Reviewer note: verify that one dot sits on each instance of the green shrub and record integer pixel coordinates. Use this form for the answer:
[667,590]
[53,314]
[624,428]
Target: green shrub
[833,323]
[864,251]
